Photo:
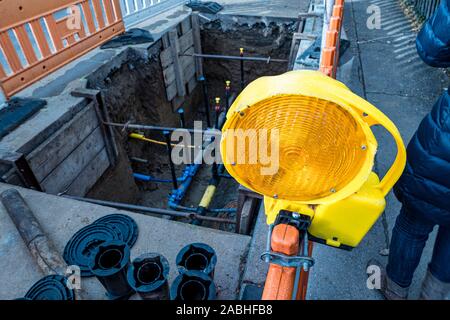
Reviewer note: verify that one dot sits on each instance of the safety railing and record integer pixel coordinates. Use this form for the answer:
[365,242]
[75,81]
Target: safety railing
[136,11]
[424,8]
[37,37]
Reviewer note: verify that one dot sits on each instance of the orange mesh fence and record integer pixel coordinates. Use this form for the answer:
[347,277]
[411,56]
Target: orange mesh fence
[38,37]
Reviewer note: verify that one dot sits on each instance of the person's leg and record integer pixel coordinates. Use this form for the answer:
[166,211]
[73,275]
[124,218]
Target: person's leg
[436,285]
[409,237]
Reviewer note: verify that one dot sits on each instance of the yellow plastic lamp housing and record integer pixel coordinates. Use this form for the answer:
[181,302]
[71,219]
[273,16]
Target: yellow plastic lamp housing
[303,140]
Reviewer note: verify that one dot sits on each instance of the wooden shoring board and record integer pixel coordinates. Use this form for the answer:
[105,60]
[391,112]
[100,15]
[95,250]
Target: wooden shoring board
[179,66]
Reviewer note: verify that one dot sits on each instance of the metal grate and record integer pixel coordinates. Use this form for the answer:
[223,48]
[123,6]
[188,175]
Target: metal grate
[37,37]
[424,8]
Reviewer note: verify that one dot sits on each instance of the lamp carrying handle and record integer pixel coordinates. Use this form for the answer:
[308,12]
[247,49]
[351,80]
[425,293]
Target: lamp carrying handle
[372,116]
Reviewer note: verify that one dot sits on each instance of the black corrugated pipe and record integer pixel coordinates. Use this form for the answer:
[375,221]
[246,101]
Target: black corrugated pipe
[193,286]
[148,274]
[197,257]
[109,264]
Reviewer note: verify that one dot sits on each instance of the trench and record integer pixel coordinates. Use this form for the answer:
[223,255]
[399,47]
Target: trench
[134,92]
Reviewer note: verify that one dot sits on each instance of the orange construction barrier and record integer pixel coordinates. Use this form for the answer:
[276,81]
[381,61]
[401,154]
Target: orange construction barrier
[280,280]
[37,37]
[330,54]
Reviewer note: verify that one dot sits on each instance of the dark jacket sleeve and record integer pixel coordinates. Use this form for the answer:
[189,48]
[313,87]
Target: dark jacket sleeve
[433,41]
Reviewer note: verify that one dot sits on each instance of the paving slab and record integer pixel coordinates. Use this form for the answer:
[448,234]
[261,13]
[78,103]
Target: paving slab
[61,218]
[382,66]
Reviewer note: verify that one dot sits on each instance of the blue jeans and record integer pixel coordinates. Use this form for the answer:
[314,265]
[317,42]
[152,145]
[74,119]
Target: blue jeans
[409,236]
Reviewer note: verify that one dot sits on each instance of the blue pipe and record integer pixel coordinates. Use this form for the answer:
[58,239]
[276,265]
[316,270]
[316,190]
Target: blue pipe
[225,210]
[145,178]
[177,195]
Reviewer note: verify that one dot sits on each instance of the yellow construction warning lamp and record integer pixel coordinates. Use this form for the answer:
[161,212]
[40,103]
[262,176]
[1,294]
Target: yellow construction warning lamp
[321,133]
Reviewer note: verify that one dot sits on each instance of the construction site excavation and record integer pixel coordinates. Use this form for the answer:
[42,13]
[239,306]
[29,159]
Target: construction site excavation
[192,150]
[133,100]
[94,145]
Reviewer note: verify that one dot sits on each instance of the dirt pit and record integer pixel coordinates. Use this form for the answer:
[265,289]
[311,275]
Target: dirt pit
[135,93]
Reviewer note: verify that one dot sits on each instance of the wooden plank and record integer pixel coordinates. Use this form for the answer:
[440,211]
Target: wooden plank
[166,58]
[54,150]
[64,175]
[185,42]
[191,84]
[171,91]
[90,175]
[247,216]
[165,41]
[169,75]
[197,43]
[177,102]
[186,25]
[189,72]
[187,64]
[174,47]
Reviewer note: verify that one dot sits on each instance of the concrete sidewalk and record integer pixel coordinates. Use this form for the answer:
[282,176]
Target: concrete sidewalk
[60,218]
[382,66]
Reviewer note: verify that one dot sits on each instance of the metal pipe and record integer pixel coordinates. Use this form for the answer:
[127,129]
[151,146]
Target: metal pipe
[202,79]
[40,246]
[227,95]
[145,210]
[217,111]
[151,128]
[242,69]
[36,240]
[239,58]
[171,164]
[139,160]
[182,118]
